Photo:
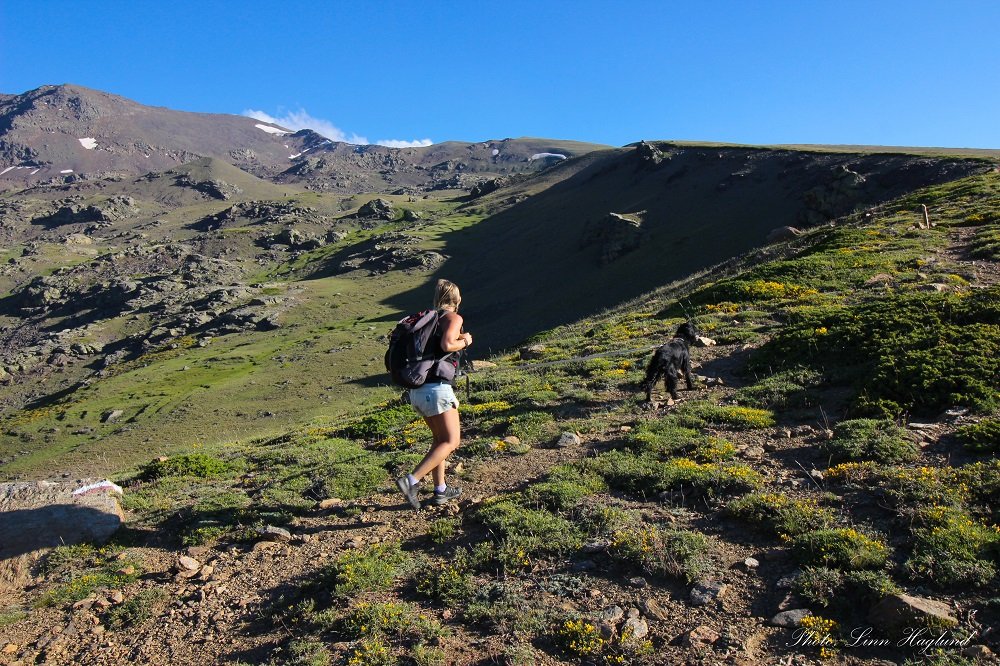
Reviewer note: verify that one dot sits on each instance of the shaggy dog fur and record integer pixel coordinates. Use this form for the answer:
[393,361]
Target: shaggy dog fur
[670,360]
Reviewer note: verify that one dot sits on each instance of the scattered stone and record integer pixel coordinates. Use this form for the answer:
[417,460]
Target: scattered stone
[787,582]
[816,474]
[635,627]
[978,652]
[654,609]
[638,581]
[700,637]
[612,614]
[447,614]
[532,353]
[379,208]
[779,234]
[112,416]
[188,563]
[633,612]
[330,503]
[707,592]
[701,341]
[128,570]
[607,630]
[751,563]
[116,596]
[568,439]
[10,648]
[596,546]
[790,619]
[903,610]
[482,365]
[272,533]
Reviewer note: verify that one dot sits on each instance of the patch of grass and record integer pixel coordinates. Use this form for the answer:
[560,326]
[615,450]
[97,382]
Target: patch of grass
[871,439]
[390,619]
[364,570]
[667,437]
[844,589]
[701,412]
[198,465]
[138,609]
[445,582]
[80,570]
[647,475]
[502,608]
[525,533]
[784,390]
[11,615]
[906,352]
[443,529]
[381,424]
[564,487]
[986,243]
[781,515]
[950,548]
[839,548]
[675,553]
[981,437]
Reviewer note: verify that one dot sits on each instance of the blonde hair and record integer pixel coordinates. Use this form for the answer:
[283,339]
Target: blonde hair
[446,295]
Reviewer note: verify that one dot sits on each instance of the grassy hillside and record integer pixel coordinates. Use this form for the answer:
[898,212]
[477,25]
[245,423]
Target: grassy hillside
[839,448]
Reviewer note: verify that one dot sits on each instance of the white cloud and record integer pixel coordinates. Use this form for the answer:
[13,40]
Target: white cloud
[297,120]
[399,143]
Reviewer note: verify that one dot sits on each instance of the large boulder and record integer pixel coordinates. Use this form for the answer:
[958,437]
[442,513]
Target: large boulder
[38,515]
[378,208]
[616,235]
[900,611]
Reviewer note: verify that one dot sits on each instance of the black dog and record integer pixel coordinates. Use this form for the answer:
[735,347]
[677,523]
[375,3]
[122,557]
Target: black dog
[670,360]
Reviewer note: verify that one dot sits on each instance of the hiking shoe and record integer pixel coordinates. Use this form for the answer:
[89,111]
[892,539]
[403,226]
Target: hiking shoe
[409,492]
[448,495]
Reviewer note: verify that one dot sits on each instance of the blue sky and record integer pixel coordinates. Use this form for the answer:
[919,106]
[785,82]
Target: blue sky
[879,72]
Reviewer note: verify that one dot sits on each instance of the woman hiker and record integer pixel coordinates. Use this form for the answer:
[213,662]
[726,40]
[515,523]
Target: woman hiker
[436,401]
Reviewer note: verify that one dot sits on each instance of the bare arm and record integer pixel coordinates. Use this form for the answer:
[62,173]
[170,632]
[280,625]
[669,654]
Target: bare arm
[452,338]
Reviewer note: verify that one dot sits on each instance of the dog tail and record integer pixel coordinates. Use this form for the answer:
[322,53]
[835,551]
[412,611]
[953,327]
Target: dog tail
[651,369]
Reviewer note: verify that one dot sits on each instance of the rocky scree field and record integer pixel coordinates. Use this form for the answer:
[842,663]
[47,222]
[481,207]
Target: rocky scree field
[834,467]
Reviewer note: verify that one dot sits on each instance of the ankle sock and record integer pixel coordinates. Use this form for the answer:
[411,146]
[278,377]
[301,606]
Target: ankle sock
[440,489]
[412,479]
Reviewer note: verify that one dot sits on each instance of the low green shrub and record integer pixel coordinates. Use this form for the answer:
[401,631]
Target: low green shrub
[379,425]
[840,548]
[80,570]
[700,413]
[905,352]
[443,529]
[145,605]
[198,465]
[950,548]
[982,437]
[525,533]
[845,589]
[365,570]
[307,652]
[446,583]
[986,243]
[390,619]
[781,515]
[564,487]
[871,439]
[675,553]
[648,475]
[784,390]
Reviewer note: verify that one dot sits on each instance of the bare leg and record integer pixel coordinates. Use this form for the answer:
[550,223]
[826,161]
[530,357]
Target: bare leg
[447,434]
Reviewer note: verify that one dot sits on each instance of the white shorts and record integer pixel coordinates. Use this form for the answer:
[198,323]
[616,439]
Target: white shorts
[433,399]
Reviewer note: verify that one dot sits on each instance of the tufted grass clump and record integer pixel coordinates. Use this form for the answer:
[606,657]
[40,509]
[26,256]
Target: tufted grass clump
[982,437]
[389,619]
[871,439]
[951,548]
[198,465]
[381,424]
[448,583]
[986,243]
[843,589]
[839,548]
[667,437]
[647,475]
[564,487]
[680,554]
[785,390]
[80,570]
[137,610]
[526,533]
[781,515]
[735,417]
[365,570]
